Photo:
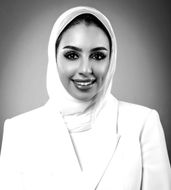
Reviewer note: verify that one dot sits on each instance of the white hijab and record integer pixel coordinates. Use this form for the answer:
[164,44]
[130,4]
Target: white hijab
[73,110]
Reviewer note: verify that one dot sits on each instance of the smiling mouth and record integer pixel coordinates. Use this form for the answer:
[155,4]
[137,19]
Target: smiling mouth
[84,84]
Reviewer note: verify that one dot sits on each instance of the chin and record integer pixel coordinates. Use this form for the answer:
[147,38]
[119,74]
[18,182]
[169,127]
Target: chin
[82,94]
[84,98]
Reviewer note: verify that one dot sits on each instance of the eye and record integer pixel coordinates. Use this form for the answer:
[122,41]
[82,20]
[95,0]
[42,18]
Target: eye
[71,55]
[98,56]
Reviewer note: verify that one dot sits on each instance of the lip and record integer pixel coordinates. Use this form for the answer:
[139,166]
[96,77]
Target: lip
[85,84]
[83,80]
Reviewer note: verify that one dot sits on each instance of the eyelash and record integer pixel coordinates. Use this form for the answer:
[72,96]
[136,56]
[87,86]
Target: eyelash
[71,55]
[98,56]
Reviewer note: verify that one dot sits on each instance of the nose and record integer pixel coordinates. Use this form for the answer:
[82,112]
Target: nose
[85,67]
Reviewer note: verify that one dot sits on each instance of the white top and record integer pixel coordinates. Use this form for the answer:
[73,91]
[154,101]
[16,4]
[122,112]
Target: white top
[37,152]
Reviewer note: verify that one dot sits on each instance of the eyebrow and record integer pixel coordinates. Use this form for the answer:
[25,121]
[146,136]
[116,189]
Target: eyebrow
[73,48]
[79,49]
[99,48]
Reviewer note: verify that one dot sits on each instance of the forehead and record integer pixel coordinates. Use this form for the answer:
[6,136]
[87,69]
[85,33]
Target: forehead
[83,35]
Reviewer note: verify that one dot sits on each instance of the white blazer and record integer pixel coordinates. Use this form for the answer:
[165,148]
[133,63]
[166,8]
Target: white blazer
[37,152]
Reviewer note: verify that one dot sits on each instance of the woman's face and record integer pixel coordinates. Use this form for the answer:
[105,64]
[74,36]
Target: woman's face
[83,60]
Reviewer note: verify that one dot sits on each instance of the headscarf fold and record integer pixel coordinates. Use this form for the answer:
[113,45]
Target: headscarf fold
[78,115]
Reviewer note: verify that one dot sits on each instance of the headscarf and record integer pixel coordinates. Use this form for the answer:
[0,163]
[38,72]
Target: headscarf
[74,111]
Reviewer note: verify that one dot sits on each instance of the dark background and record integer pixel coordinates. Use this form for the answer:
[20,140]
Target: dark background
[143,32]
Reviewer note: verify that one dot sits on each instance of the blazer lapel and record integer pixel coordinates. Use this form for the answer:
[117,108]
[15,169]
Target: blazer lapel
[62,164]
[111,155]
[104,142]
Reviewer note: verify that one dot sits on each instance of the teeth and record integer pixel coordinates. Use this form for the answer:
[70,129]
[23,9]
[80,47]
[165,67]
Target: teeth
[83,83]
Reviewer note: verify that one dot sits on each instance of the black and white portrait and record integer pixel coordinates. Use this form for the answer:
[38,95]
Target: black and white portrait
[85,95]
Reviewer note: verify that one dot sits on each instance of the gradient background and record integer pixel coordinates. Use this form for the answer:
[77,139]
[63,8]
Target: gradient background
[143,32]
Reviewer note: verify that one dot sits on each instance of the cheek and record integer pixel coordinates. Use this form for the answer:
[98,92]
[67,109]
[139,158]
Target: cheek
[101,69]
[66,68]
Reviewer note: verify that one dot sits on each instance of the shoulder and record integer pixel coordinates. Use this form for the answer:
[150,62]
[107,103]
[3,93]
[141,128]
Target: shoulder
[24,127]
[135,117]
[25,122]
[131,112]
[40,114]
[134,110]
[130,109]
[32,121]
[27,116]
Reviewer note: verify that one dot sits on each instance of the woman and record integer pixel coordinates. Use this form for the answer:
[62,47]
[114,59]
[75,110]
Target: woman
[83,137]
